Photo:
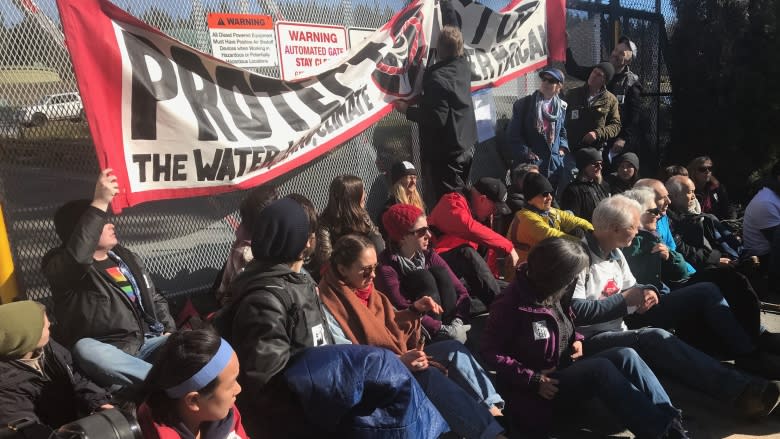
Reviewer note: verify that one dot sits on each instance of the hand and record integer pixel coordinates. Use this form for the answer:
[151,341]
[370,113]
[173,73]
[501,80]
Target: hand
[105,189]
[618,146]
[576,350]
[532,156]
[562,151]
[401,106]
[725,262]
[425,304]
[662,249]
[589,138]
[415,360]
[548,387]
[641,299]
[514,257]
[649,300]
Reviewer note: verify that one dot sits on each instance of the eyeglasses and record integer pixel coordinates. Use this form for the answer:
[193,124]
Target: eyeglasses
[422,231]
[704,169]
[550,79]
[597,164]
[654,211]
[368,270]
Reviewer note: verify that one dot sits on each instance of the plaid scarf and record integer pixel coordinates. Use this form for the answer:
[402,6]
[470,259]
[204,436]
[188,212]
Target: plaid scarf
[547,121]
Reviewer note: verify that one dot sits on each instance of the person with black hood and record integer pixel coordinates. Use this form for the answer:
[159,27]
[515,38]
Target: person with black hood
[403,190]
[627,88]
[592,117]
[39,382]
[108,310]
[448,127]
[583,194]
[626,175]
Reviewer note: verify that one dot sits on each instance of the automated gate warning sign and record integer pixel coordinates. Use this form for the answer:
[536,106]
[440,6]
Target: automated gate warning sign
[243,40]
[304,46]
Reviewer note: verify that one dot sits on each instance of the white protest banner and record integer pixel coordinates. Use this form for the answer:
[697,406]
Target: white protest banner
[174,122]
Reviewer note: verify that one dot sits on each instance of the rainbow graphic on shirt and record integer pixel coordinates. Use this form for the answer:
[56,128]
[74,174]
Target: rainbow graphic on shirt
[116,275]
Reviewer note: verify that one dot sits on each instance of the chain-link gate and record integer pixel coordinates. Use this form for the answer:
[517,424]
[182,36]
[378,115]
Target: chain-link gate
[47,156]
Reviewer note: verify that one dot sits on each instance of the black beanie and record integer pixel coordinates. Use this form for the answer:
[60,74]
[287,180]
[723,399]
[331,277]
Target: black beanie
[586,156]
[66,217]
[629,157]
[535,184]
[280,232]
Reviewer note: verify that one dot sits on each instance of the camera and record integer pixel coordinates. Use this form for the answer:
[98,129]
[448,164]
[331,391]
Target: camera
[108,424]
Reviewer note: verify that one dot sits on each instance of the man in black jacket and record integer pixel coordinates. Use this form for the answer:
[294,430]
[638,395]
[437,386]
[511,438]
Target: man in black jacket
[448,127]
[627,87]
[583,194]
[107,308]
[39,382]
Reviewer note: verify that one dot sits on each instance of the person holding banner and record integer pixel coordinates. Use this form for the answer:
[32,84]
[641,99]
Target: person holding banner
[107,308]
[445,113]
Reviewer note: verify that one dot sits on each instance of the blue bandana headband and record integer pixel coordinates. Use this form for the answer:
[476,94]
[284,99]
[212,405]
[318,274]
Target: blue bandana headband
[206,374]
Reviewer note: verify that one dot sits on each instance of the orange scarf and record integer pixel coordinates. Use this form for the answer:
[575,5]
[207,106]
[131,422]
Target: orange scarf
[377,324]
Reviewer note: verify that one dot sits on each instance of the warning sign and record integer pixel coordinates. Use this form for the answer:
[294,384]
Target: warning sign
[243,40]
[303,47]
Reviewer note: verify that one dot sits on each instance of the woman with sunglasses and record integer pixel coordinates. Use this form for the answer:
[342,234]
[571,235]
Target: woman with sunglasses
[536,133]
[359,314]
[710,192]
[538,220]
[409,269]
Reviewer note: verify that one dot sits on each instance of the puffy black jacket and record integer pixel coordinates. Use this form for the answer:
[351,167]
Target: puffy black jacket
[55,397]
[582,197]
[87,303]
[275,314]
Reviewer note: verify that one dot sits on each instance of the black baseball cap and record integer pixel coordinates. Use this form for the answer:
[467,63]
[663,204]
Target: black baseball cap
[495,190]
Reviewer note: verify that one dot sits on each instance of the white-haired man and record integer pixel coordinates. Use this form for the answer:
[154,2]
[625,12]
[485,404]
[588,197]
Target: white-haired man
[607,291]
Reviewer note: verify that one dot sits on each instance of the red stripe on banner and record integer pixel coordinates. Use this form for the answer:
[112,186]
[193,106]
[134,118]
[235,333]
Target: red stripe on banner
[504,79]
[556,30]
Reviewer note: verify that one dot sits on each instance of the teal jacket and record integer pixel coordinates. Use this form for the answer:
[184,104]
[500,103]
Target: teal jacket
[649,268]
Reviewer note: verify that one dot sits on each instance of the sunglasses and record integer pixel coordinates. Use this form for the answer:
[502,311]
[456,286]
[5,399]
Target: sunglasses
[422,231]
[550,79]
[368,270]
[597,164]
[704,169]
[654,211]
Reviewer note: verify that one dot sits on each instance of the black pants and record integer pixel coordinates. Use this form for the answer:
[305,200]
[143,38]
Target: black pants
[443,176]
[434,282]
[469,265]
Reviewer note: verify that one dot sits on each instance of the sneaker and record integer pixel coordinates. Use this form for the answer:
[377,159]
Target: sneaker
[769,342]
[758,399]
[761,363]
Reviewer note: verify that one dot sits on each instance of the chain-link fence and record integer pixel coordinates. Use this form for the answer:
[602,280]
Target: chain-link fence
[47,156]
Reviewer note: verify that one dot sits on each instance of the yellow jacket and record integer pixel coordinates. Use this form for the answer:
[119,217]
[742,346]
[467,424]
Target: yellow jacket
[529,228]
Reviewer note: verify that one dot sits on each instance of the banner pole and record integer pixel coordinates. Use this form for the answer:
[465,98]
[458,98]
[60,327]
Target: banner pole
[9,289]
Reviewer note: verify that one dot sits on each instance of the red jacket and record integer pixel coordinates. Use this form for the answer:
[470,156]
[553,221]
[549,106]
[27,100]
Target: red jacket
[452,217]
[154,430]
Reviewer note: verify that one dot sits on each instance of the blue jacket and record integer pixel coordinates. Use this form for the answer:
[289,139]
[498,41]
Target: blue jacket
[523,137]
[361,392]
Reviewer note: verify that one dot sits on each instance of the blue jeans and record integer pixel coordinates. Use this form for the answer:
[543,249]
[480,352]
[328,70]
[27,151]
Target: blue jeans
[465,416]
[108,365]
[701,311]
[669,355]
[625,384]
[463,368]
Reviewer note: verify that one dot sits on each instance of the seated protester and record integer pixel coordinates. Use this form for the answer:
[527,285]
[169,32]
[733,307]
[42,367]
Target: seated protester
[515,199]
[589,188]
[458,220]
[409,269]
[191,390]
[345,213]
[403,190]
[672,170]
[760,228]
[241,250]
[536,133]
[108,311]
[607,292]
[539,220]
[702,239]
[274,314]
[531,342]
[38,381]
[359,314]
[710,193]
[706,298]
[626,175]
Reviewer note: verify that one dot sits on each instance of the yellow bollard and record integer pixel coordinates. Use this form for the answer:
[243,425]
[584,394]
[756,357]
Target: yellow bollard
[8,287]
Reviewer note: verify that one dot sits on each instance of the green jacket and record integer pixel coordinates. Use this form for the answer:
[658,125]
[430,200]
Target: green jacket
[602,116]
[649,268]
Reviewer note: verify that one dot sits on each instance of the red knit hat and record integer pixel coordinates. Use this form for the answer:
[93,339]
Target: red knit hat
[399,220]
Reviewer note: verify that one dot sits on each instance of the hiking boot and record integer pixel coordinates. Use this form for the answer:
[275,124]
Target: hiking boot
[769,342]
[761,363]
[758,399]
